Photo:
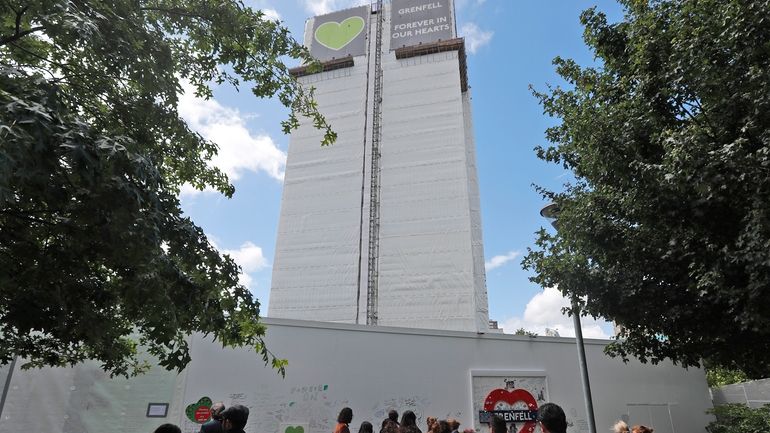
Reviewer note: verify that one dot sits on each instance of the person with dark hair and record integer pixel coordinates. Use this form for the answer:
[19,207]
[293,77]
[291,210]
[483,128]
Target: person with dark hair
[388,426]
[234,418]
[498,425]
[168,428]
[409,423]
[393,416]
[552,418]
[454,425]
[343,420]
[443,427]
[366,427]
[214,425]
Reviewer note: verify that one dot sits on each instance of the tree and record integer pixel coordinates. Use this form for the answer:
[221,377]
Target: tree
[739,418]
[718,376]
[94,248]
[666,226]
[524,332]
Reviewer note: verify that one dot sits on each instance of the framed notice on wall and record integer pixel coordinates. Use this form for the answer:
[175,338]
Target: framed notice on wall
[157,410]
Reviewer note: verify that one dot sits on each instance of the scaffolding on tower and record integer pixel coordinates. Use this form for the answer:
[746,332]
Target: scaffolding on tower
[374,191]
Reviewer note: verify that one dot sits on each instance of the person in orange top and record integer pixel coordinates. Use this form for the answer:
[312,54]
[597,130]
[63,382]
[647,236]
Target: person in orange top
[343,420]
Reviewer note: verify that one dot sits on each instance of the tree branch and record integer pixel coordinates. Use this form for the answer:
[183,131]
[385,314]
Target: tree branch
[18,35]
[174,11]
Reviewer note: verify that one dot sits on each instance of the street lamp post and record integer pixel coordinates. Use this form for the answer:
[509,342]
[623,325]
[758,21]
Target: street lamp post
[551,213]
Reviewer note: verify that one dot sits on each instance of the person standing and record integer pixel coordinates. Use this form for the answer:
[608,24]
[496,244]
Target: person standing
[390,426]
[343,420]
[168,428]
[622,427]
[430,421]
[454,425]
[498,425]
[234,419]
[393,416]
[552,418]
[443,426]
[214,425]
[366,427]
[409,423]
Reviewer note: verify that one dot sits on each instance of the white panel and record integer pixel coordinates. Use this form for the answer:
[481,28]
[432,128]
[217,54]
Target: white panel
[426,262]
[315,271]
[479,272]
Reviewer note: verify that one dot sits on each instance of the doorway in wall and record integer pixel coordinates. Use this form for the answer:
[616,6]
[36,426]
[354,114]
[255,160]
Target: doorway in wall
[663,417]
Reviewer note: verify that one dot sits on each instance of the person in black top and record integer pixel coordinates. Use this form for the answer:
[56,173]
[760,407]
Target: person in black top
[552,418]
[409,423]
[498,425]
[393,416]
[214,425]
[234,419]
[168,428]
[366,427]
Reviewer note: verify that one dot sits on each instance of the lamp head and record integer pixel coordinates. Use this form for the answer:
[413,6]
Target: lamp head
[551,212]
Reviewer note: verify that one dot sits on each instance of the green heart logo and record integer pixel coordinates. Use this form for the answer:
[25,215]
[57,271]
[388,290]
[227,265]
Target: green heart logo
[296,429]
[335,36]
[199,412]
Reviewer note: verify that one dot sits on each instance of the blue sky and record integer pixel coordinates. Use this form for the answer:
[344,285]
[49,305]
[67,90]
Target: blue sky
[511,45]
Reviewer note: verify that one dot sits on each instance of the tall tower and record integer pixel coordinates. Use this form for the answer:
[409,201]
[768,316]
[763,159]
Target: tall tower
[384,227]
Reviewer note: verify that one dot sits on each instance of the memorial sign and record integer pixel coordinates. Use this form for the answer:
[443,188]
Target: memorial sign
[420,21]
[340,34]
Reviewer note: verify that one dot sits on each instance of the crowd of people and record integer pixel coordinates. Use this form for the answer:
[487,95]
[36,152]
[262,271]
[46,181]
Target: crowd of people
[391,424]
[550,416]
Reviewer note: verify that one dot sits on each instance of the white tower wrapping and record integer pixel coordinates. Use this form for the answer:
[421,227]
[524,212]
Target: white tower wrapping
[429,260]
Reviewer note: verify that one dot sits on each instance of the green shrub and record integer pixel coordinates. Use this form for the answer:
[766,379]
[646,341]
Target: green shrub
[720,376]
[738,418]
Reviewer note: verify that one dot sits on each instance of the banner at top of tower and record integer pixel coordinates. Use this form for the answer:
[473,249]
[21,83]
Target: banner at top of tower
[420,21]
[340,34]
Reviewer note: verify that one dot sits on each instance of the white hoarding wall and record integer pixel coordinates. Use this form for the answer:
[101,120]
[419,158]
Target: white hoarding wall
[316,265]
[414,22]
[372,370]
[84,400]
[755,393]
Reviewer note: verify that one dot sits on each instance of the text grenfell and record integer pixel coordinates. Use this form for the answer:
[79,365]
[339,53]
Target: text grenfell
[420,8]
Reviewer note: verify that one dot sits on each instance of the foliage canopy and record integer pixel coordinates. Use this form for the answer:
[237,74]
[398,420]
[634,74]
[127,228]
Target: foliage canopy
[94,247]
[666,227]
[739,418]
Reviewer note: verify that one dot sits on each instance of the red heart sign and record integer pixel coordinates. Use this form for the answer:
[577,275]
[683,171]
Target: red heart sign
[512,397]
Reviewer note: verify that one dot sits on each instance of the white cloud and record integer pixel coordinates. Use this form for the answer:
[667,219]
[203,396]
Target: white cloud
[461,4]
[475,37]
[320,7]
[497,261]
[240,151]
[249,257]
[271,14]
[544,311]
[246,280]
